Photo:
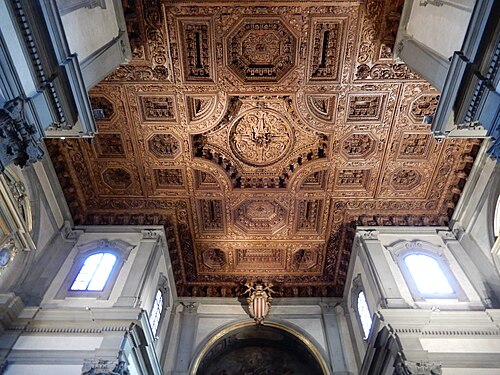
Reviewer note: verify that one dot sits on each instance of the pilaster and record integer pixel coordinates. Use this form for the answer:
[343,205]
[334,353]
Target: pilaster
[385,283]
[185,345]
[336,345]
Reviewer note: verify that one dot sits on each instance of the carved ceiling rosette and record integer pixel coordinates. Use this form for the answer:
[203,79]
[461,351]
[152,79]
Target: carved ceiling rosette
[261,50]
[260,137]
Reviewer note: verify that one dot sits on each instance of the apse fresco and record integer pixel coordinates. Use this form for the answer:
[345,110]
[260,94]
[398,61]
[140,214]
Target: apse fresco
[259,350]
[257,361]
[260,136]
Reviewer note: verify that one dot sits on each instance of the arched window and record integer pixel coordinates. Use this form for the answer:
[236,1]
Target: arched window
[95,269]
[496,219]
[156,311]
[426,270]
[360,306]
[95,272]
[160,304]
[427,275]
[364,314]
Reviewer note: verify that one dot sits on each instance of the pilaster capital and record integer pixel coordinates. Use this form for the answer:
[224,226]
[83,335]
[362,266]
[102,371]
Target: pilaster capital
[436,3]
[458,230]
[447,235]
[190,307]
[329,308]
[151,234]
[69,234]
[417,368]
[368,234]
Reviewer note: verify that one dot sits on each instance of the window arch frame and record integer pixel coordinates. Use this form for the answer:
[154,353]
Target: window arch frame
[402,249]
[120,249]
[356,289]
[163,288]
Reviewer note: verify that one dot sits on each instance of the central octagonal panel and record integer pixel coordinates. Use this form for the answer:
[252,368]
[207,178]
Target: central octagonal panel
[260,216]
[261,50]
[260,137]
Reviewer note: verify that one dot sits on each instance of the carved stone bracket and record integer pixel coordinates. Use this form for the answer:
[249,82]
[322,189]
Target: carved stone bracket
[19,141]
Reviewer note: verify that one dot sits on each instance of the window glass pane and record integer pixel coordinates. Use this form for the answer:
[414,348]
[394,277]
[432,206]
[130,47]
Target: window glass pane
[94,272]
[364,314]
[156,311]
[427,274]
[496,219]
[102,272]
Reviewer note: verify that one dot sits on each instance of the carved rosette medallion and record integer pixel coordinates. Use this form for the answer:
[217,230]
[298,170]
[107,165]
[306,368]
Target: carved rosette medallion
[424,105]
[117,178]
[261,50]
[103,108]
[164,146]
[260,216]
[405,179]
[260,137]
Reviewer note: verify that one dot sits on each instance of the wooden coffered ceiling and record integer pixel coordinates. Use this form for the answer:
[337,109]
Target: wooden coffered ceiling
[260,135]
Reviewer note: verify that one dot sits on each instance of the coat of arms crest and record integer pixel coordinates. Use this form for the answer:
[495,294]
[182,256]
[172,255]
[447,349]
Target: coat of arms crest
[259,300]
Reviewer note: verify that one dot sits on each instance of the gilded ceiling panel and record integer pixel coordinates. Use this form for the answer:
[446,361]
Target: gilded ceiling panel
[260,136]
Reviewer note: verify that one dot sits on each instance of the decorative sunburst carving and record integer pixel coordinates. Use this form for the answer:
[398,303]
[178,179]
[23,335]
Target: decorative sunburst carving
[260,137]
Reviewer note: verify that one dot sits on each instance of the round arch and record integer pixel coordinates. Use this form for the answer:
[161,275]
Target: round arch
[255,335]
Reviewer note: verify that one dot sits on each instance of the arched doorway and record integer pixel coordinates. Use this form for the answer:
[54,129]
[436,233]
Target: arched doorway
[248,349]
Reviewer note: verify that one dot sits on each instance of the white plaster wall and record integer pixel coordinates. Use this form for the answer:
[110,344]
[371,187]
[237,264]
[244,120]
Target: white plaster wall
[14,369]
[470,371]
[440,28]
[462,345]
[208,326]
[307,318]
[87,30]
[46,230]
[51,342]
[314,328]
[46,185]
